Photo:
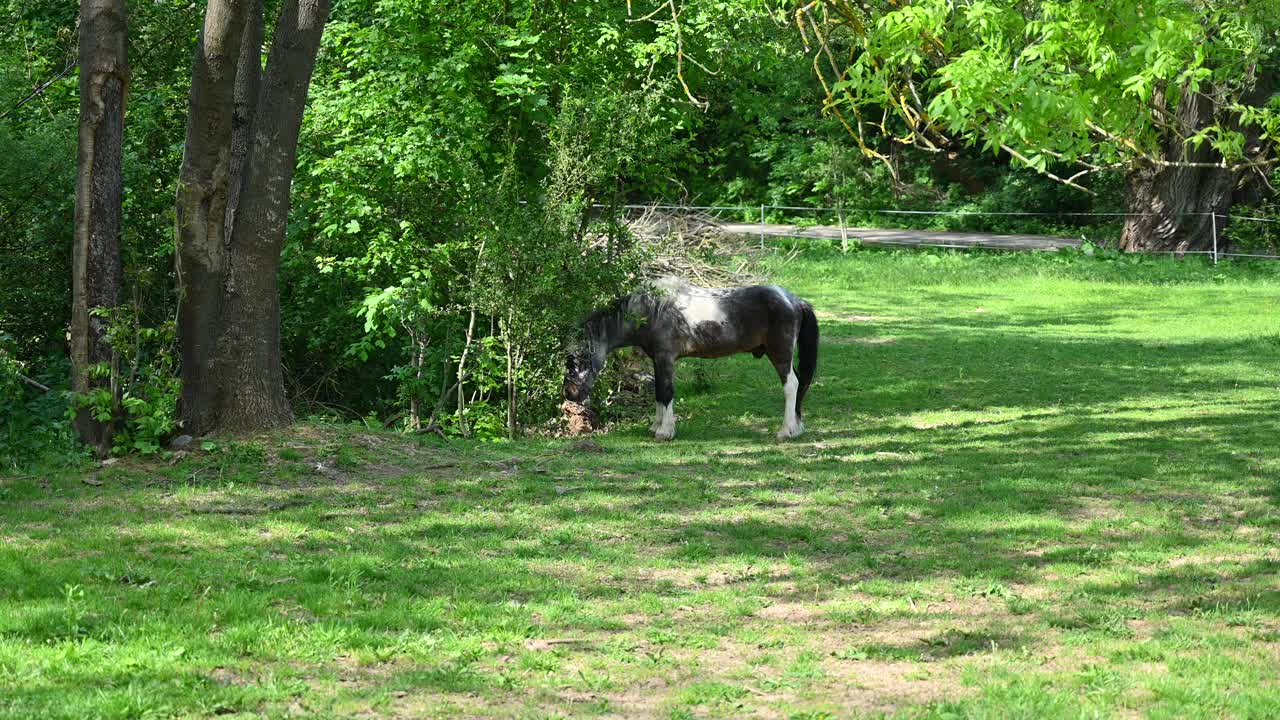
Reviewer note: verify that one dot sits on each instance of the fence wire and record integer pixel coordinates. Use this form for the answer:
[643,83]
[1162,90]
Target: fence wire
[847,232]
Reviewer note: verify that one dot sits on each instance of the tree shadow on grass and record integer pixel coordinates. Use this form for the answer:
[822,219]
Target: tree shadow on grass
[947,644]
[947,454]
[1077,424]
[977,371]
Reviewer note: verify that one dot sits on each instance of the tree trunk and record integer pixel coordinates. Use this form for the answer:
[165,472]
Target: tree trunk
[1172,206]
[248,85]
[249,370]
[511,392]
[462,385]
[202,205]
[233,207]
[96,270]
[415,404]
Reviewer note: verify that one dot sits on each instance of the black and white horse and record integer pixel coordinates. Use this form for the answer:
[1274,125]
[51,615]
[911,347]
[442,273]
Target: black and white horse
[676,319]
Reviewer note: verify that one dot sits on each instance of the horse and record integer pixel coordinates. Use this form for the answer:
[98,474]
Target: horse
[674,319]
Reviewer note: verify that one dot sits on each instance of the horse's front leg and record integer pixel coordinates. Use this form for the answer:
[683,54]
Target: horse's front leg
[664,392]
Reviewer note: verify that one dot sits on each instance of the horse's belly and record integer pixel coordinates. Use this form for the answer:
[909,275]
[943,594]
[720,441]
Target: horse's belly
[713,352]
[715,340]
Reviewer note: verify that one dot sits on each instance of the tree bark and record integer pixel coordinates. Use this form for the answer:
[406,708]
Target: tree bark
[204,185]
[248,85]
[511,391]
[250,376]
[233,209]
[96,270]
[1172,206]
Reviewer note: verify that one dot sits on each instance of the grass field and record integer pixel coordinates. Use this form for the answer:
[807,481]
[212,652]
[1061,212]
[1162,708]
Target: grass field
[1030,487]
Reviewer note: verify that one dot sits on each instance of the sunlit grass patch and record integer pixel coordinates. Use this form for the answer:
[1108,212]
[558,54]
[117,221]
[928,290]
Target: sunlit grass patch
[1053,494]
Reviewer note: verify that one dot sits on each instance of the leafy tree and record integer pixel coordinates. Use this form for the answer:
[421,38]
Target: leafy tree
[1177,94]
[547,262]
[430,124]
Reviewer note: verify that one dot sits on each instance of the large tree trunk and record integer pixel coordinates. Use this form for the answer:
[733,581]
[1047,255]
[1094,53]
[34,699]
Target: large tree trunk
[249,358]
[202,204]
[236,382]
[1172,208]
[1176,206]
[96,271]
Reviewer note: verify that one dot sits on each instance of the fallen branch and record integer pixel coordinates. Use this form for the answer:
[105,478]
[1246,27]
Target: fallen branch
[33,383]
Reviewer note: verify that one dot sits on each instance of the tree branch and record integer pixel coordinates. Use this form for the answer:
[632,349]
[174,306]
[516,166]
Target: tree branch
[1065,181]
[33,383]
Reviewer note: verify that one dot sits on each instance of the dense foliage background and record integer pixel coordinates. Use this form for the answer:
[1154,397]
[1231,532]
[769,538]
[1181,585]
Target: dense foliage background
[450,159]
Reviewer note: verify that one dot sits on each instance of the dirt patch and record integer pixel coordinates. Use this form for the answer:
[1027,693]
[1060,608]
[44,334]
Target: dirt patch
[686,578]
[1089,509]
[228,676]
[1223,560]
[867,685]
[871,686]
[587,446]
[792,613]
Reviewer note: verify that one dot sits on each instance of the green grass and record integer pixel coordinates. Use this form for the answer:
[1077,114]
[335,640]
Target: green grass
[1030,487]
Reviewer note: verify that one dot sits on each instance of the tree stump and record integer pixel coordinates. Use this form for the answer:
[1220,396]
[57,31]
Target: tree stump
[580,418]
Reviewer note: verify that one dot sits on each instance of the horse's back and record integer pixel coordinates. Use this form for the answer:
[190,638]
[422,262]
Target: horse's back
[716,322]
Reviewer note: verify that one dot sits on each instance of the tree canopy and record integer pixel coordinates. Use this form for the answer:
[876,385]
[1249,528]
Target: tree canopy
[1084,84]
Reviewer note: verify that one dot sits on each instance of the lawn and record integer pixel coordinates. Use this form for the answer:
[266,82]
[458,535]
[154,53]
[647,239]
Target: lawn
[1030,487]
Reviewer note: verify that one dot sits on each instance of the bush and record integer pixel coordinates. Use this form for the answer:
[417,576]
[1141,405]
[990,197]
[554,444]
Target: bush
[143,375]
[1260,234]
[33,426]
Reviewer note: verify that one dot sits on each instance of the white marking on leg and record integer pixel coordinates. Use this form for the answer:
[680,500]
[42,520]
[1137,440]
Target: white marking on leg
[666,422]
[657,417]
[791,426]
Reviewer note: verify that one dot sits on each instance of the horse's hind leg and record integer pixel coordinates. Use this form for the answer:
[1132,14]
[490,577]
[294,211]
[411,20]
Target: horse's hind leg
[781,351]
[664,392]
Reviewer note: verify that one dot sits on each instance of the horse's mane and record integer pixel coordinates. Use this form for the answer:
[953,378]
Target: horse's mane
[604,323]
[643,303]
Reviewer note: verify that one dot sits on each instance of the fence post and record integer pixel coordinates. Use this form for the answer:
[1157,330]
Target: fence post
[844,233]
[761,227]
[1215,238]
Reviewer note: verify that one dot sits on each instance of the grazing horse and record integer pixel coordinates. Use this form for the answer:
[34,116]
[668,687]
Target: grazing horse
[677,319]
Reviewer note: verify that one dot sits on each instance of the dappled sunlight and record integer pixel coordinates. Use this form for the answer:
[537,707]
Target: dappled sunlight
[1023,490]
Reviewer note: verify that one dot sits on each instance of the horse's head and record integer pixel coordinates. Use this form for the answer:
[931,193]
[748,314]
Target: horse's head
[579,375]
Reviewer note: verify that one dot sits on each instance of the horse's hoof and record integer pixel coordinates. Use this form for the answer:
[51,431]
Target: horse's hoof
[664,435]
[787,433]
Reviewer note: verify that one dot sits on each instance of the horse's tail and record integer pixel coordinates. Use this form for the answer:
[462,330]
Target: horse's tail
[808,345]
